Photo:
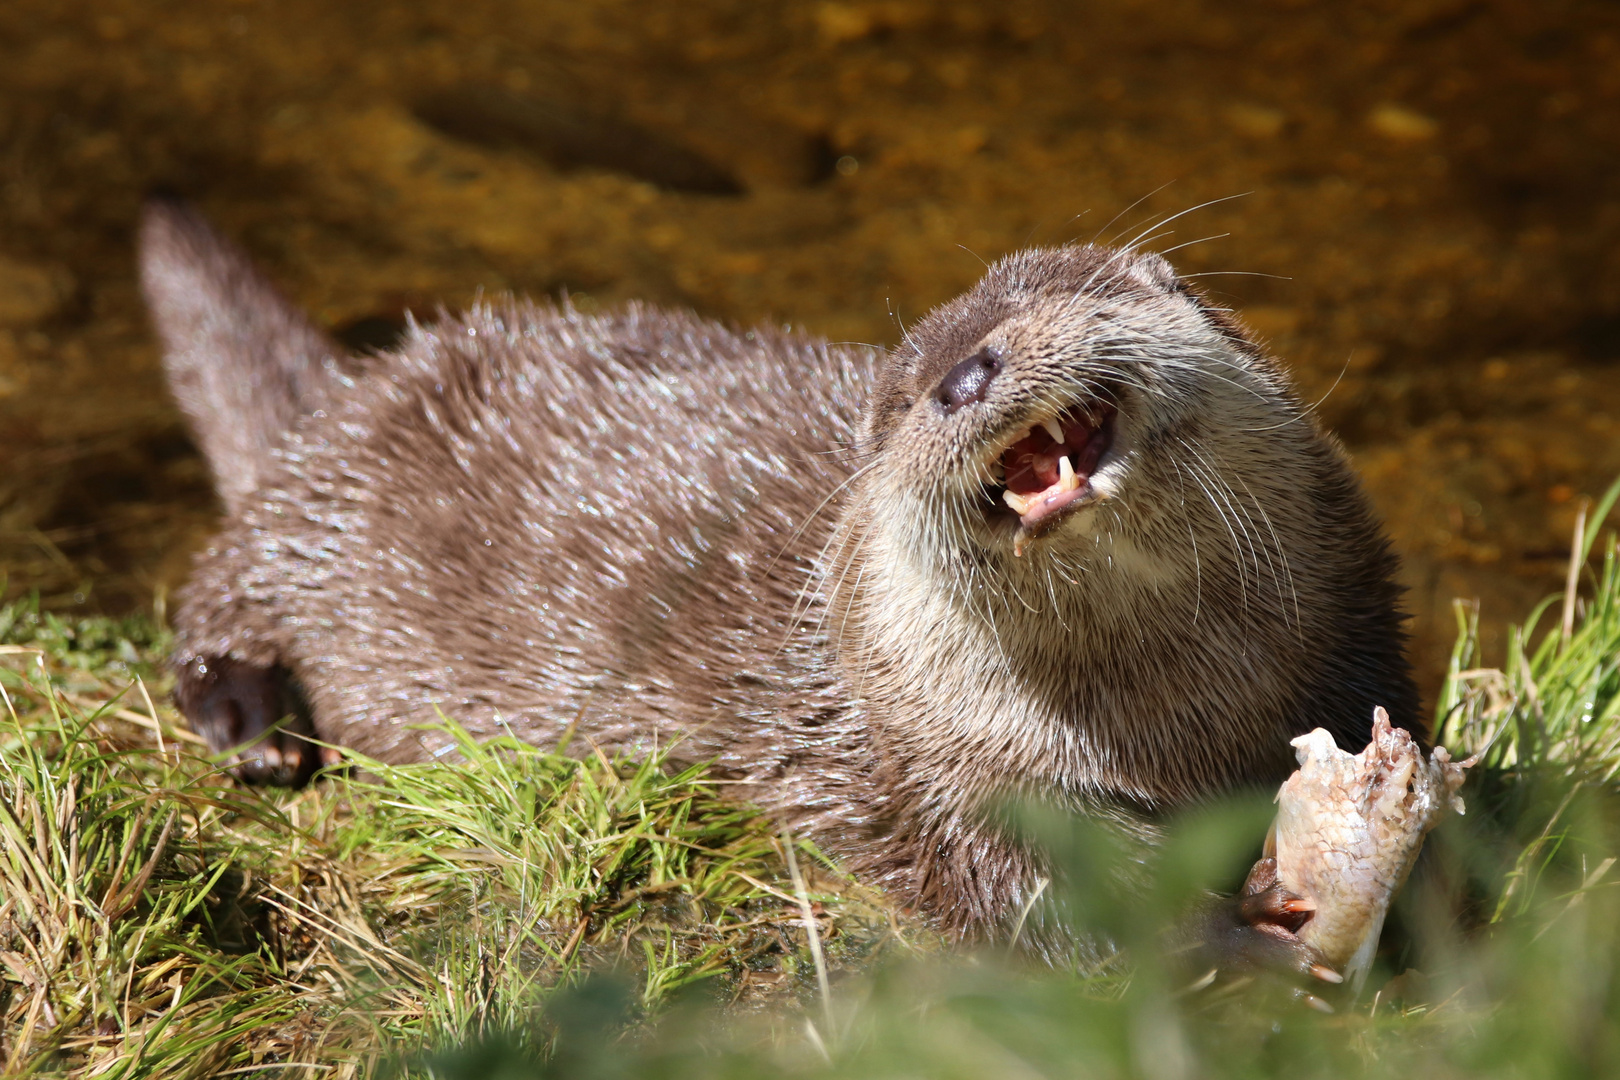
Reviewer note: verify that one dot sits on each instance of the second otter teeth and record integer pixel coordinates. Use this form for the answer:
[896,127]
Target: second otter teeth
[1066,477]
[1053,428]
[1018,503]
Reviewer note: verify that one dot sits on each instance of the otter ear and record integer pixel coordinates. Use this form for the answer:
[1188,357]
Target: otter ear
[1156,270]
[242,363]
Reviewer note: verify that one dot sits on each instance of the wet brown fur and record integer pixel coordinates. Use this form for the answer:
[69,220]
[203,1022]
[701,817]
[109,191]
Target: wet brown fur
[772,553]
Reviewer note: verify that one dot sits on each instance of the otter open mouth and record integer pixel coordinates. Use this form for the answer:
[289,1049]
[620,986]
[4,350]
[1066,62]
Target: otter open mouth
[1045,471]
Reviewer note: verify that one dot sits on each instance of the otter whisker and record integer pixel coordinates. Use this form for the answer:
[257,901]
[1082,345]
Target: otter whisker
[1111,221]
[1194,243]
[1243,508]
[1282,553]
[1237,548]
[1131,245]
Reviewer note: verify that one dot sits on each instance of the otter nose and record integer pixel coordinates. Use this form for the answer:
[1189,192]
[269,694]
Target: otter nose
[968,381]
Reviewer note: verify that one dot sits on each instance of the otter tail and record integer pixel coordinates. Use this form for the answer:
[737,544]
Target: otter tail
[241,361]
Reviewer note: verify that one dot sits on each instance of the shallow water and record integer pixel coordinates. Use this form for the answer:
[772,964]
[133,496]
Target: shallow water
[1421,214]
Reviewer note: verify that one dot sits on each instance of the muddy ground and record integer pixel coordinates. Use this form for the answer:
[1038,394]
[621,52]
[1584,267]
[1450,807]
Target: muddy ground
[1422,214]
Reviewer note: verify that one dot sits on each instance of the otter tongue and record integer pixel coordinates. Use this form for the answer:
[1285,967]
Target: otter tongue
[1034,463]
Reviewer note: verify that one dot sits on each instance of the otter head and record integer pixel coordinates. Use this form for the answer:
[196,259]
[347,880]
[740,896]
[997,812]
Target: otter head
[1052,407]
[1097,554]
[1093,523]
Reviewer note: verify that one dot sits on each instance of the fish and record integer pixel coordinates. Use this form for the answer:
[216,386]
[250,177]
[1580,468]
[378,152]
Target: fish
[1348,831]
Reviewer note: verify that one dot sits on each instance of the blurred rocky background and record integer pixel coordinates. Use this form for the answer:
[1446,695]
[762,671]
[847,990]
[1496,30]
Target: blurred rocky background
[1416,202]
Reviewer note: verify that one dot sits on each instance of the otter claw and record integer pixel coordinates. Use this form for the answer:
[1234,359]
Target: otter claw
[252,714]
[1203,982]
[1312,1001]
[1256,933]
[1325,973]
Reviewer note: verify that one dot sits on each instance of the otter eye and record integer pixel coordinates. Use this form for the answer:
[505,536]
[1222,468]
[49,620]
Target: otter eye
[968,381]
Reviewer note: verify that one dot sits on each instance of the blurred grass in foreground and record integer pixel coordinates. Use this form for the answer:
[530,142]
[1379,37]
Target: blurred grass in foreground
[526,915]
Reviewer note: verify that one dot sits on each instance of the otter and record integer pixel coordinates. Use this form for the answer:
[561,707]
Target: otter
[1075,538]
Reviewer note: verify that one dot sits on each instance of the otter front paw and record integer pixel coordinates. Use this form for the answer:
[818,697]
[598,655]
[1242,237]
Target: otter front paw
[1254,933]
[253,713]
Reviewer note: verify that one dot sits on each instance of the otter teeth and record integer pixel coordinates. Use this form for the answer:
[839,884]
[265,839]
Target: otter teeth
[1053,428]
[1066,481]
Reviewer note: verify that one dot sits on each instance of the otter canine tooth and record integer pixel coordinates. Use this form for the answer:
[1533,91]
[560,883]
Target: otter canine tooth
[1053,428]
[1016,501]
[1066,480]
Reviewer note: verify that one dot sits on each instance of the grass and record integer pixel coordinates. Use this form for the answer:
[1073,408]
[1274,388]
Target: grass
[528,915]
[156,919]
